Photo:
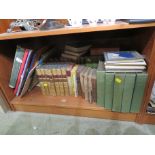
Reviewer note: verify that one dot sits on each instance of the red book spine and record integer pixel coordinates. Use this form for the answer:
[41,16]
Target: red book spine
[21,70]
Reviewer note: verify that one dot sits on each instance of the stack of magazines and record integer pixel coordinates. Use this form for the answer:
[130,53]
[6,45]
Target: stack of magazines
[124,61]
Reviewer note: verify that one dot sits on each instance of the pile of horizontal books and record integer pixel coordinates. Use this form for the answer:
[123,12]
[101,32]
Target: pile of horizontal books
[124,61]
[121,81]
[59,79]
[74,51]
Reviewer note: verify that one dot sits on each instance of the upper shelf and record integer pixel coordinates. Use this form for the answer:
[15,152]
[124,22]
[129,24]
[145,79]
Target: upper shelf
[72,30]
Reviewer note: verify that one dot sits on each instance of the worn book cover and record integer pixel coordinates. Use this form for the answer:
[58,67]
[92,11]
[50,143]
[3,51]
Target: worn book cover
[82,81]
[86,83]
[94,86]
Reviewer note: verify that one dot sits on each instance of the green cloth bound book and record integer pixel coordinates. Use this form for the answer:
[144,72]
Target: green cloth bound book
[118,91]
[100,84]
[129,84]
[138,94]
[109,87]
[16,66]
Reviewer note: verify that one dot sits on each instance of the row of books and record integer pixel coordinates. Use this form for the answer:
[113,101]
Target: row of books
[120,91]
[59,79]
[25,62]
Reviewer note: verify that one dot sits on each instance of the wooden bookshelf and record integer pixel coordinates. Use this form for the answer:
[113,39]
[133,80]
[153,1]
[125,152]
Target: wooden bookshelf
[74,30]
[135,36]
[34,101]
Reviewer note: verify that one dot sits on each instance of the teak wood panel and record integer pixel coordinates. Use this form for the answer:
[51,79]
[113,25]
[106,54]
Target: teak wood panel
[4,24]
[6,61]
[74,30]
[149,51]
[36,102]
[76,112]
[148,119]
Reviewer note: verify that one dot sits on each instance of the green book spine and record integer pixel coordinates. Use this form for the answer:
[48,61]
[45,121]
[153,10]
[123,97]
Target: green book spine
[139,89]
[16,66]
[118,91]
[129,84]
[109,87]
[100,87]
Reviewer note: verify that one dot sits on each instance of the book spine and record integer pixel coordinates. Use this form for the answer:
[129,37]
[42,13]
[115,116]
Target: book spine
[129,84]
[100,88]
[109,87]
[138,93]
[94,88]
[75,81]
[21,70]
[65,83]
[24,74]
[16,66]
[118,91]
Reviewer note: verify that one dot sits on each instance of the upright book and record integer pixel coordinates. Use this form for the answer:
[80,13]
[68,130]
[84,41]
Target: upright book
[109,88]
[16,66]
[138,93]
[118,91]
[21,71]
[129,84]
[100,84]
[25,72]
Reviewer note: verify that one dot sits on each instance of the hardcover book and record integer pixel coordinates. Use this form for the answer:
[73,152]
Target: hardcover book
[16,66]
[138,93]
[129,85]
[109,88]
[77,46]
[122,56]
[118,91]
[21,71]
[100,84]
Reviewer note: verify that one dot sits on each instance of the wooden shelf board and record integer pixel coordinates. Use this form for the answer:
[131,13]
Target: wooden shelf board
[149,118]
[72,30]
[36,102]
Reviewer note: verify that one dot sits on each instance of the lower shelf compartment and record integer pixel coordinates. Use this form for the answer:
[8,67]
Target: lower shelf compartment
[65,105]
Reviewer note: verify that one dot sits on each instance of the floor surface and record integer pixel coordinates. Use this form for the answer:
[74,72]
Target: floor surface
[20,123]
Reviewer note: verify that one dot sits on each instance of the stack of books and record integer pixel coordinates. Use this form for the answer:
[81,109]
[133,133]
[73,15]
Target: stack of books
[24,64]
[74,51]
[59,79]
[124,61]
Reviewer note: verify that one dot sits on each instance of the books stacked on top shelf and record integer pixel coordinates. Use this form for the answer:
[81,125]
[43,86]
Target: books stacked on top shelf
[74,51]
[124,61]
[67,79]
[24,65]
